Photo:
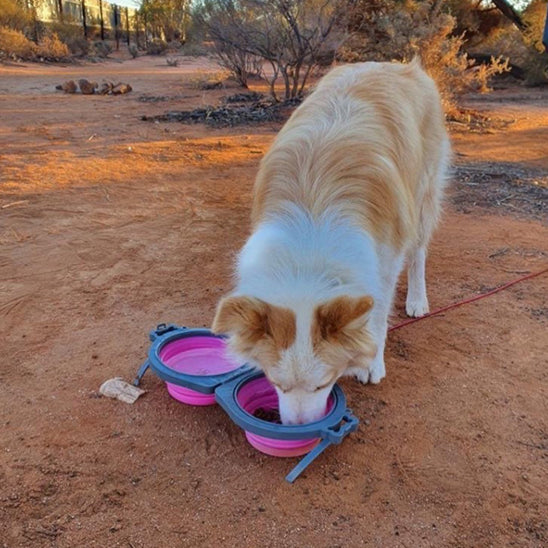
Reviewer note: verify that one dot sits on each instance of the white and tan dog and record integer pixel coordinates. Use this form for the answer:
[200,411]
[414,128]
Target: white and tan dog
[349,190]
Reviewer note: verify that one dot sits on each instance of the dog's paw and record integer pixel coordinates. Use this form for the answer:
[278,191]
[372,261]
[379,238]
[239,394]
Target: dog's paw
[415,309]
[377,371]
[373,375]
[361,375]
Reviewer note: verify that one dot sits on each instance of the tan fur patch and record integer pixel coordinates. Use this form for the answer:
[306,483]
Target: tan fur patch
[258,330]
[332,317]
[339,333]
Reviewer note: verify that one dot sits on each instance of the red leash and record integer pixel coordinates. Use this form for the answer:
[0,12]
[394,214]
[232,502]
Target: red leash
[470,300]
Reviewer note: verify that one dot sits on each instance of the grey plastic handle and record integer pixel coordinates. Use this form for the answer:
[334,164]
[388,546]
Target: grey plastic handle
[306,460]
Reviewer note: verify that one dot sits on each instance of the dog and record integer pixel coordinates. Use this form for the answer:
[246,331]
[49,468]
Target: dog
[350,190]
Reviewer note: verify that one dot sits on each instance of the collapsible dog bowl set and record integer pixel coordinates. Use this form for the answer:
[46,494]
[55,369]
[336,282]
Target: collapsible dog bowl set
[197,371]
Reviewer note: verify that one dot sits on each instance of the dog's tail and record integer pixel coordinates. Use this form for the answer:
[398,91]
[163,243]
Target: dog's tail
[416,62]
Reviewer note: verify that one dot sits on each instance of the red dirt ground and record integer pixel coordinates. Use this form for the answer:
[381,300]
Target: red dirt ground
[110,225]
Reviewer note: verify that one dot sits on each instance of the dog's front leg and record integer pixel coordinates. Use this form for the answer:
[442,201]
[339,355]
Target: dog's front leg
[373,371]
[378,324]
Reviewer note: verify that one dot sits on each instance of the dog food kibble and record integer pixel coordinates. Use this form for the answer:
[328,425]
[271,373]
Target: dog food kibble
[269,415]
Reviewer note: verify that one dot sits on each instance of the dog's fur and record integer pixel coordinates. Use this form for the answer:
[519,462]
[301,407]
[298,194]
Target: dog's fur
[349,190]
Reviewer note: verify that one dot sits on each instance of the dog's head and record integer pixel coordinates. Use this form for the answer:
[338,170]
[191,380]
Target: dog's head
[302,351]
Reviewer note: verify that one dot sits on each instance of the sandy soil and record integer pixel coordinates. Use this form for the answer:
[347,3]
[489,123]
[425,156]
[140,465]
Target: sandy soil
[110,225]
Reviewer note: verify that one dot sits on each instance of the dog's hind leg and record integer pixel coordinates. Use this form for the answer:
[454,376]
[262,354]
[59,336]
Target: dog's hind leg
[417,300]
[430,208]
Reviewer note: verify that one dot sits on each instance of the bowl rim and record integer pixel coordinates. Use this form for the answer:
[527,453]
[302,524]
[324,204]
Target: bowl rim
[226,395]
[206,384]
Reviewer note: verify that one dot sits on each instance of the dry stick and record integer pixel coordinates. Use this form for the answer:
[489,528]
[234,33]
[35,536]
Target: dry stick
[13,204]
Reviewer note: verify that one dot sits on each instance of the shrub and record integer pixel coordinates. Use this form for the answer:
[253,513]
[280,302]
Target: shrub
[387,30]
[195,49]
[133,51]
[241,64]
[13,16]
[15,44]
[524,49]
[102,49]
[536,58]
[72,36]
[156,47]
[52,49]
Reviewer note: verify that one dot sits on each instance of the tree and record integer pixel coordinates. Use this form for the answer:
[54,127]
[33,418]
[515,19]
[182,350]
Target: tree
[291,37]
[167,19]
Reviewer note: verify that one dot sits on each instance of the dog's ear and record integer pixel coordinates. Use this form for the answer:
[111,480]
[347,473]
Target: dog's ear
[253,320]
[336,319]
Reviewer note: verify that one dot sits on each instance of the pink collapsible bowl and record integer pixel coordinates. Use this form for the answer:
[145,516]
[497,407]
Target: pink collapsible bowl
[257,394]
[199,356]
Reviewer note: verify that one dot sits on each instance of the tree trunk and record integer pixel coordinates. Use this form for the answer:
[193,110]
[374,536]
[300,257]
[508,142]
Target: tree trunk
[305,78]
[127,26]
[296,77]
[60,10]
[508,11]
[272,80]
[102,20]
[84,24]
[116,23]
[287,84]
[545,33]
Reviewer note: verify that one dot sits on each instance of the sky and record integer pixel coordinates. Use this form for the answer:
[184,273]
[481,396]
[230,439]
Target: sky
[128,3]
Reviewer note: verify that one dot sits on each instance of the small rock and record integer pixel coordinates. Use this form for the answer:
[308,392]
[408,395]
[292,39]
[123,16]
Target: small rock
[87,87]
[68,87]
[106,88]
[121,89]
